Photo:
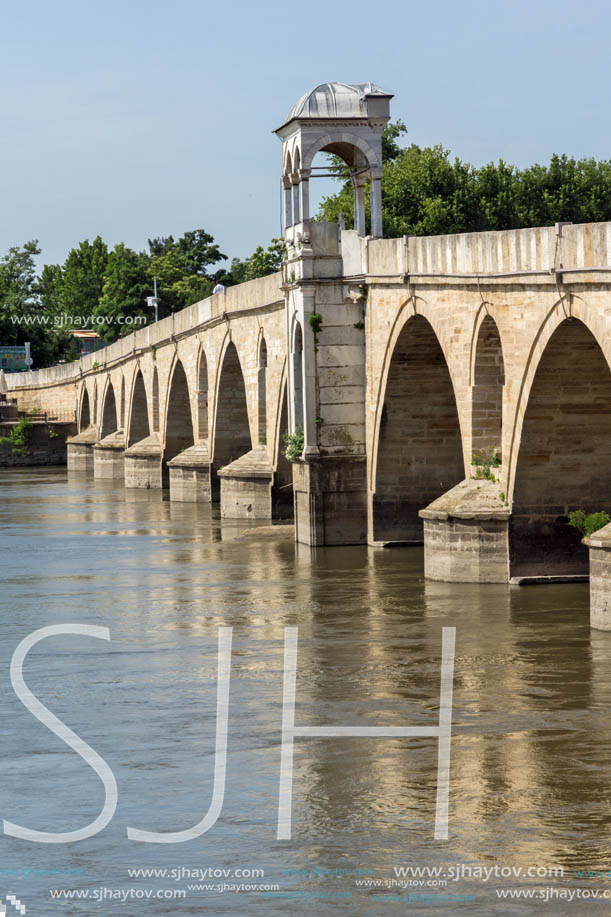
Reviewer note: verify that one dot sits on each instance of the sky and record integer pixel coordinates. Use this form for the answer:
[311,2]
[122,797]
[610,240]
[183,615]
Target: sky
[138,119]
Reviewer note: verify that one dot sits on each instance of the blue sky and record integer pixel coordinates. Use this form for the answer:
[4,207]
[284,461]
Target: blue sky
[139,119]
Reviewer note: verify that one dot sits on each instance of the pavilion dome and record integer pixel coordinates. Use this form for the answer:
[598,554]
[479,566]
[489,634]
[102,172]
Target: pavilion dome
[336,100]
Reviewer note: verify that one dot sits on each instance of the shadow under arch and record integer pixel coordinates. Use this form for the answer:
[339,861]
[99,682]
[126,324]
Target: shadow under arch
[202,396]
[85,411]
[262,391]
[297,358]
[109,412]
[564,456]
[178,419]
[155,405]
[121,416]
[419,445]
[232,437]
[488,381]
[139,427]
[282,487]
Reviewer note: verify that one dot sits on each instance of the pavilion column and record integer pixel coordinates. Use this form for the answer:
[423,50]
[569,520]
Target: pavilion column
[376,203]
[288,201]
[359,205]
[296,214]
[304,187]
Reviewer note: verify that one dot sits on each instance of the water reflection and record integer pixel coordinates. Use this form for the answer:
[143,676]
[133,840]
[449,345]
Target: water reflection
[529,773]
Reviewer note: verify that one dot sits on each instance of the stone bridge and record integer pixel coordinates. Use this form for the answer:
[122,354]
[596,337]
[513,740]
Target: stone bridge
[398,359]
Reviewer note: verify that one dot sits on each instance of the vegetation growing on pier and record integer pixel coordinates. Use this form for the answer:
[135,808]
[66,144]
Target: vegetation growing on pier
[483,462]
[294,443]
[588,523]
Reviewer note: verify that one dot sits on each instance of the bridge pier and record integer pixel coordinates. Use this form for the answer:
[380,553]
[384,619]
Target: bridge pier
[330,500]
[190,474]
[466,535]
[599,545]
[143,463]
[246,486]
[79,450]
[327,373]
[252,489]
[108,461]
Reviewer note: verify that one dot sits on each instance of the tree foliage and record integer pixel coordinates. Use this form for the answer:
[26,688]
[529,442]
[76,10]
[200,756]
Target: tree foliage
[125,288]
[588,523]
[106,290]
[263,261]
[426,192]
[20,297]
[83,278]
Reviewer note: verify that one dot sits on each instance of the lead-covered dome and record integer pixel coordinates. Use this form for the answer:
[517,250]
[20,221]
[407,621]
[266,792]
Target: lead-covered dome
[336,100]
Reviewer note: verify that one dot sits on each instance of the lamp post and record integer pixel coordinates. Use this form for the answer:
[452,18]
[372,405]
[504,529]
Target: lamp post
[152,301]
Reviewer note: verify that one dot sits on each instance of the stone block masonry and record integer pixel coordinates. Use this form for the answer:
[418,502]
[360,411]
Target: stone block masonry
[420,352]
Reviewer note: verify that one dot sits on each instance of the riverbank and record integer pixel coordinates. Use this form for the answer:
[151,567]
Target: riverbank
[46,444]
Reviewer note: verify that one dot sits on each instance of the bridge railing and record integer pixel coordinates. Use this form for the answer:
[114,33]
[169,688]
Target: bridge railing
[566,247]
[252,294]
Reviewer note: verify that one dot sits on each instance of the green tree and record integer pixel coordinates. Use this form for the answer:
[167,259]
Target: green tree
[182,268]
[22,316]
[50,288]
[425,192]
[262,262]
[127,283]
[83,278]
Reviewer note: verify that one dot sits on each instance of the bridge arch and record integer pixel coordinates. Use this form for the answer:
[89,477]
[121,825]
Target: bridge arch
[138,416]
[557,314]
[178,415]
[297,371]
[564,457]
[282,490]
[262,390]
[231,425]
[155,401]
[121,418]
[487,385]
[202,396]
[418,452]
[84,410]
[109,423]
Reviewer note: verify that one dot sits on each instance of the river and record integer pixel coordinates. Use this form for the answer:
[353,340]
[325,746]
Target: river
[530,763]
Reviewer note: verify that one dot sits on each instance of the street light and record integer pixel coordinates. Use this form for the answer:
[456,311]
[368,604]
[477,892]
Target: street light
[152,301]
